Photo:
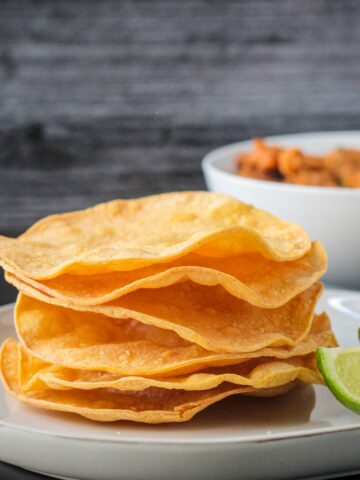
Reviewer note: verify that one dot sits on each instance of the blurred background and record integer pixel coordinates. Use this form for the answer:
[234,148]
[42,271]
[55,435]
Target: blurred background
[107,99]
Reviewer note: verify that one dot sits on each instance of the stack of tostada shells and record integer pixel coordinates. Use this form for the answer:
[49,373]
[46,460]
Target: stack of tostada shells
[152,309]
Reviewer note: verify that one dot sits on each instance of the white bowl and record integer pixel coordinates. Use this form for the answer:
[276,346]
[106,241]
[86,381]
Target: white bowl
[329,214]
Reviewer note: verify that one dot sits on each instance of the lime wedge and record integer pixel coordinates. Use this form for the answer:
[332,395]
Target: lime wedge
[340,368]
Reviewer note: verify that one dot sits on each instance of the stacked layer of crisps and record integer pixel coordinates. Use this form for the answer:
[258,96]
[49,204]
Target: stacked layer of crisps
[153,309]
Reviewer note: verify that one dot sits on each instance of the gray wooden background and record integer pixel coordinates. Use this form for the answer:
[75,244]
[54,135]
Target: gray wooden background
[105,99]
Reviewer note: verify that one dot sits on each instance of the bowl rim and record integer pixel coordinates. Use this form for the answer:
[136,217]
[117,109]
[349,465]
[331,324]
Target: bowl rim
[209,165]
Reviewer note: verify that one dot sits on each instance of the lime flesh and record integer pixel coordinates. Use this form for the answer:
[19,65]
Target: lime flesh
[340,368]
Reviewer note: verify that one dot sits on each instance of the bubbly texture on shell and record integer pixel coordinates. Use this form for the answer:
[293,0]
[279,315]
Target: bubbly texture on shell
[91,341]
[251,277]
[206,316]
[131,234]
[259,372]
[153,405]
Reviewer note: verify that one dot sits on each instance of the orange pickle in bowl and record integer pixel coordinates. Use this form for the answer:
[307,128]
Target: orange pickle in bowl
[339,168]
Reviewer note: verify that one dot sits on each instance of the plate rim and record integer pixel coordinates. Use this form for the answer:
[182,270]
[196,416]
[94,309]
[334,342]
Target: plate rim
[261,439]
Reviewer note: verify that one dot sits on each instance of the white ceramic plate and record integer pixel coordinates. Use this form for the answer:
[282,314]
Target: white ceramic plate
[303,434]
